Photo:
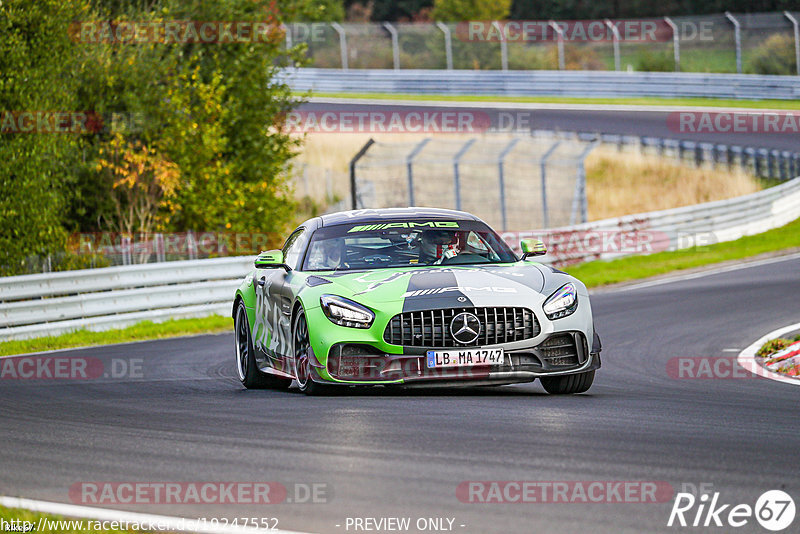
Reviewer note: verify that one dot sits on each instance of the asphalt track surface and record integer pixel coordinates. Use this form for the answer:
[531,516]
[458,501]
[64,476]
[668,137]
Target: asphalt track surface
[387,454]
[636,122]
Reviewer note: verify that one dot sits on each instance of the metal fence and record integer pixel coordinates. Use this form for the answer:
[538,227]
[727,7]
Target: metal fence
[510,182]
[321,185]
[529,181]
[708,43]
[694,226]
[535,181]
[769,163]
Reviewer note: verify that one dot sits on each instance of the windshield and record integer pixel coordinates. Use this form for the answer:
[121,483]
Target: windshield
[381,245]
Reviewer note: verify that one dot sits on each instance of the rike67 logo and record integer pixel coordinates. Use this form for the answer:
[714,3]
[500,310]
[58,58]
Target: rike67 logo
[774,510]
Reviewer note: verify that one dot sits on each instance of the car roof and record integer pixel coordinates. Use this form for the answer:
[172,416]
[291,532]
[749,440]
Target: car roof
[392,214]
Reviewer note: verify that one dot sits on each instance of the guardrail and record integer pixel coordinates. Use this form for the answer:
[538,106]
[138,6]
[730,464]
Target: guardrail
[673,229]
[113,297]
[545,83]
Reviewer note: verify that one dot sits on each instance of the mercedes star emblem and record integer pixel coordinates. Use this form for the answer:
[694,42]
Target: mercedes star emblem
[465,328]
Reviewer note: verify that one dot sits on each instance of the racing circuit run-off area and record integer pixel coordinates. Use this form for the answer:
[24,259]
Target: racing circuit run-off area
[430,267]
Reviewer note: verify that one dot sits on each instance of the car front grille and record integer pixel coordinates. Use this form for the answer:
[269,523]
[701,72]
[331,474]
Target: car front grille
[431,328]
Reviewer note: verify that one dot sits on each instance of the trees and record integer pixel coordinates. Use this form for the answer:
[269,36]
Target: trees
[204,115]
[36,170]
[211,108]
[142,181]
[459,10]
[774,56]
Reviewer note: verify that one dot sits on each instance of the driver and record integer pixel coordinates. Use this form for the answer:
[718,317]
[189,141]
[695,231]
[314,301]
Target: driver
[332,253]
[437,246]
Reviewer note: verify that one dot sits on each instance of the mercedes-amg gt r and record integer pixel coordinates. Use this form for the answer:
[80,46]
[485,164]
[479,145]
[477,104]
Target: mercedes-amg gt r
[410,296]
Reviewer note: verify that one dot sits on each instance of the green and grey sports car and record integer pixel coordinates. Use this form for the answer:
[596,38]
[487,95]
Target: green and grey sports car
[410,296]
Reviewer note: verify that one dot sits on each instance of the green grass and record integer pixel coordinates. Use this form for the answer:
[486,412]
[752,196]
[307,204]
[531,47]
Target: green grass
[19,514]
[600,273]
[137,332]
[774,345]
[785,365]
[693,60]
[641,101]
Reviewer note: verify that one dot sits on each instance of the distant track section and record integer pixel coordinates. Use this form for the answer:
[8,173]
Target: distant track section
[623,120]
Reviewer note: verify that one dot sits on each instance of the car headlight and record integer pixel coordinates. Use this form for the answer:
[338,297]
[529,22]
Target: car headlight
[562,303]
[345,312]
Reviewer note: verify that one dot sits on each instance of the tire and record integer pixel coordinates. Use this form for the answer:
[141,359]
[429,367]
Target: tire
[568,384]
[302,365]
[246,368]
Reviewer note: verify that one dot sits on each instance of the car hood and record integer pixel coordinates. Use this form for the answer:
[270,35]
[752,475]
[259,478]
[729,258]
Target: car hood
[441,287]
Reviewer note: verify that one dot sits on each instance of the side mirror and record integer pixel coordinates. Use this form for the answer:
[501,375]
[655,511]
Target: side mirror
[532,247]
[271,259]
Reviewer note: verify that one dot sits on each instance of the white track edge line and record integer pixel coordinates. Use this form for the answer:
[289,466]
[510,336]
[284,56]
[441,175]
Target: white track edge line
[172,524]
[87,347]
[747,358]
[690,276]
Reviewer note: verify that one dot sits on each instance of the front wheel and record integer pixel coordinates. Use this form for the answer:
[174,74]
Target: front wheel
[302,363]
[568,384]
[246,367]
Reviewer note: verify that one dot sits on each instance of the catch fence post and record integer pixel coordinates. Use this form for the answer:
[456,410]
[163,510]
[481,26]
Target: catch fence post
[502,183]
[559,44]
[456,175]
[410,168]
[342,43]
[543,173]
[395,45]
[676,43]
[448,44]
[737,34]
[358,156]
[615,41]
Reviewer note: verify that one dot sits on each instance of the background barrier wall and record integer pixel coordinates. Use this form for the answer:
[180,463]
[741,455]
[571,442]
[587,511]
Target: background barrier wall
[545,83]
[114,297]
[679,228]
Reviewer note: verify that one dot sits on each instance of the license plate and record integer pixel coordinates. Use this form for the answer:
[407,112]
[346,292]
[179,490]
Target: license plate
[465,357]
